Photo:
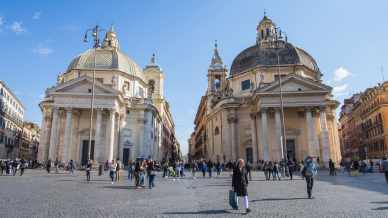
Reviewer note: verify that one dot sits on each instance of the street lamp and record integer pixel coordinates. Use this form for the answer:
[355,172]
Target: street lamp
[94,33]
[283,140]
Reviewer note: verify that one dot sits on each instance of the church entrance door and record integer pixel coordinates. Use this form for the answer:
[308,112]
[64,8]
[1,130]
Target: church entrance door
[84,157]
[290,144]
[249,155]
[126,153]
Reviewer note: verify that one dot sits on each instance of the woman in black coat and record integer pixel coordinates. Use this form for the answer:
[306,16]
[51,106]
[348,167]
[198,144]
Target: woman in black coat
[240,182]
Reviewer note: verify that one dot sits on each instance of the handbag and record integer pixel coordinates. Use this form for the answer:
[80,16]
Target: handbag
[233,199]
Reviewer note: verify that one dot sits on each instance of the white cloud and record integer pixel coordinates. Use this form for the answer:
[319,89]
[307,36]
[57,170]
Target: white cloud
[341,73]
[1,21]
[43,51]
[17,27]
[340,89]
[36,15]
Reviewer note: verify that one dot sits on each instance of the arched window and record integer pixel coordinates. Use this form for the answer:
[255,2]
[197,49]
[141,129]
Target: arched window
[216,131]
[151,84]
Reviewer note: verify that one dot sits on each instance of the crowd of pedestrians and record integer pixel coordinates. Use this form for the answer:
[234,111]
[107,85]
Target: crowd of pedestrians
[11,167]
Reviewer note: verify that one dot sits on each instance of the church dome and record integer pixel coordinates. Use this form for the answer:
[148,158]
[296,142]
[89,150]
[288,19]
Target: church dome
[107,57]
[264,53]
[257,56]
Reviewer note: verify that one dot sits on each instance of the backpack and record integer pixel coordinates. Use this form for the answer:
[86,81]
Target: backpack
[309,169]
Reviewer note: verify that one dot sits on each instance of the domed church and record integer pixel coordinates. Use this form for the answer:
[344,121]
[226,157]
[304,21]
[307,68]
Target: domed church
[131,117]
[241,114]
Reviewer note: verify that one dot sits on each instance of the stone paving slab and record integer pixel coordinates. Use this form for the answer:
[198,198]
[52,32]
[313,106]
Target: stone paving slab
[37,194]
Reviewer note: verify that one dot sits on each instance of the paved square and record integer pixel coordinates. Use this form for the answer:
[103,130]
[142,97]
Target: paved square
[37,194]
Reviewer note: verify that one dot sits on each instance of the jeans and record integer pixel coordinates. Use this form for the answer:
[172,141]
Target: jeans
[310,183]
[151,181]
[112,175]
[87,175]
[141,179]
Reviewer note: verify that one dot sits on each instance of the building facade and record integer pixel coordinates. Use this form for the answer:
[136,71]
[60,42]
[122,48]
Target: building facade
[240,115]
[29,141]
[11,122]
[129,114]
[364,124]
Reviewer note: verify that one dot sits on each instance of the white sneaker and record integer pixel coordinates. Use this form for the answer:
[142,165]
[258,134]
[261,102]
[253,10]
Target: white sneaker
[112,183]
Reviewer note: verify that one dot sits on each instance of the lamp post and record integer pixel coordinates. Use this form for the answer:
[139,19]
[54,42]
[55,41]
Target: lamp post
[283,140]
[94,33]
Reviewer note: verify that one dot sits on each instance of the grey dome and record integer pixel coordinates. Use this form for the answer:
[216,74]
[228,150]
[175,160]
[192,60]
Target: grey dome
[106,59]
[256,56]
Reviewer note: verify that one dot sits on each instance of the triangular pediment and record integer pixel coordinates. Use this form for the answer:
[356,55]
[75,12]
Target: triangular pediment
[83,85]
[295,83]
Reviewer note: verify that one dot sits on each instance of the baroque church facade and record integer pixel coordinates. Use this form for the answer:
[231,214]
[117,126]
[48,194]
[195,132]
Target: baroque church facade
[240,115]
[131,116]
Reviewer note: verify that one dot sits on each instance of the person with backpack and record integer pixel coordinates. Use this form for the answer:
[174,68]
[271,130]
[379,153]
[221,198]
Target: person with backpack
[309,171]
[56,165]
[151,174]
[112,171]
[117,170]
[22,166]
[88,169]
[385,168]
[275,171]
[240,183]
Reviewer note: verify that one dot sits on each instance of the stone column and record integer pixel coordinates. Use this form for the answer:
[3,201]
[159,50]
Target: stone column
[54,134]
[264,134]
[110,135]
[119,141]
[44,144]
[98,145]
[311,133]
[277,150]
[254,137]
[68,133]
[324,137]
[232,120]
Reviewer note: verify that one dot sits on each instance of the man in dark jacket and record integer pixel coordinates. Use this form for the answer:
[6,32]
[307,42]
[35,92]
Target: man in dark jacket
[385,168]
[309,171]
[240,183]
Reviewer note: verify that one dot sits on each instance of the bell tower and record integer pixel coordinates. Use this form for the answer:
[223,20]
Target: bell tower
[266,30]
[217,73]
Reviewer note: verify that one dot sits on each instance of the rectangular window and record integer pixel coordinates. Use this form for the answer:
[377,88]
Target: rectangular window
[141,92]
[126,85]
[245,85]
[101,80]
[281,76]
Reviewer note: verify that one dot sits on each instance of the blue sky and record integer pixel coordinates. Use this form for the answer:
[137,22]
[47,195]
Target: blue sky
[38,39]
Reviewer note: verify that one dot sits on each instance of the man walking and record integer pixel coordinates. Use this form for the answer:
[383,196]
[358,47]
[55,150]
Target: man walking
[71,167]
[309,171]
[385,168]
[48,166]
[112,170]
[56,163]
[117,170]
[22,166]
[332,168]
[151,174]
[88,169]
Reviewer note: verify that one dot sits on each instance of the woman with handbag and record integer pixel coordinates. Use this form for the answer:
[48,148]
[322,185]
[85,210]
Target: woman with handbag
[240,183]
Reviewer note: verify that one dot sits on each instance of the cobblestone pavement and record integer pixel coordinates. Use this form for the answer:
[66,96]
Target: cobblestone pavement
[37,194]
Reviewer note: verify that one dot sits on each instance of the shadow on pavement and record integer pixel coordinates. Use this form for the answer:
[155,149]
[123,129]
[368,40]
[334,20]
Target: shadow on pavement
[380,208]
[279,199]
[121,187]
[379,202]
[199,212]
[368,181]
